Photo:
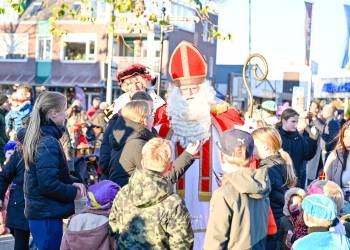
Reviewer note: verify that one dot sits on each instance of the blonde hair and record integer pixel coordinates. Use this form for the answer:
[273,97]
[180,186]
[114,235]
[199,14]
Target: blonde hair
[47,101]
[136,111]
[273,140]
[156,154]
[311,221]
[236,161]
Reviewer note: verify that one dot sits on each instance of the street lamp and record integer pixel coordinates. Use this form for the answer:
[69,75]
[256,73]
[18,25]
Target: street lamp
[161,51]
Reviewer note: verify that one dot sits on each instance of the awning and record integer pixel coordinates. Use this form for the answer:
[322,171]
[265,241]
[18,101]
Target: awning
[12,79]
[56,81]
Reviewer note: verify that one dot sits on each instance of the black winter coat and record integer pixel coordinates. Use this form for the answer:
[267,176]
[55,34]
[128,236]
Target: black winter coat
[277,171]
[127,141]
[13,172]
[299,147]
[106,148]
[48,189]
[3,137]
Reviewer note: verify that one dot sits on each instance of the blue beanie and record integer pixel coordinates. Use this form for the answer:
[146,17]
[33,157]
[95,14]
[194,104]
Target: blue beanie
[10,145]
[319,206]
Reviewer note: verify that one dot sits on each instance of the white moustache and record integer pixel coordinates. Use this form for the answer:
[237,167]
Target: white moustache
[190,119]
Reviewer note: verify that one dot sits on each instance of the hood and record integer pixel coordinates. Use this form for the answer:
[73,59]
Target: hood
[147,188]
[125,130]
[24,106]
[291,192]
[272,160]
[252,182]
[87,230]
[50,128]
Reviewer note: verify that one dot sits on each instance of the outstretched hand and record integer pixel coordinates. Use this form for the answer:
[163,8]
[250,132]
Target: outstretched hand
[193,148]
[81,190]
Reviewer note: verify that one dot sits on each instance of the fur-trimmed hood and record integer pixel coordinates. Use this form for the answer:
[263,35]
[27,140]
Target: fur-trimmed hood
[291,192]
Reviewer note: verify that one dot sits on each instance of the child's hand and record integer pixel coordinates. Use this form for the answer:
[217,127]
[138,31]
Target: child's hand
[288,241]
[12,135]
[81,192]
[193,148]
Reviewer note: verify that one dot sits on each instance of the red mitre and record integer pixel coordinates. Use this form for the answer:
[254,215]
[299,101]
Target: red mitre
[133,70]
[187,65]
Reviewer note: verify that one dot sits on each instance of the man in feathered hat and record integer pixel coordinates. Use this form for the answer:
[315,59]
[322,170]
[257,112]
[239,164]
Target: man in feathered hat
[194,113]
[136,78]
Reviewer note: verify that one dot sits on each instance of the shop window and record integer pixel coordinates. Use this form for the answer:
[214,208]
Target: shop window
[13,46]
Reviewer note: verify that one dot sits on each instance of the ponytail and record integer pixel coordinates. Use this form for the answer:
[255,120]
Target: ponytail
[292,179]
[273,140]
[46,102]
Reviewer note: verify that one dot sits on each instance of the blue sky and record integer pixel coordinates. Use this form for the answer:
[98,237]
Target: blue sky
[278,31]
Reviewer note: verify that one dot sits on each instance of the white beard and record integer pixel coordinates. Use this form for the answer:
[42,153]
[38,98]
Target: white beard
[190,119]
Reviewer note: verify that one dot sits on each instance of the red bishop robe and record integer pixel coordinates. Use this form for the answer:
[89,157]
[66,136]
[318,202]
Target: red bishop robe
[223,118]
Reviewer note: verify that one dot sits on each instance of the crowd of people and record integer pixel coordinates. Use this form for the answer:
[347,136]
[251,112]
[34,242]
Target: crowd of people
[188,173]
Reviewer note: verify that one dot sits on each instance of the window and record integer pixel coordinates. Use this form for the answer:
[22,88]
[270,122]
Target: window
[14,46]
[79,48]
[133,47]
[205,31]
[36,8]
[211,67]
[44,45]
[181,10]
[77,7]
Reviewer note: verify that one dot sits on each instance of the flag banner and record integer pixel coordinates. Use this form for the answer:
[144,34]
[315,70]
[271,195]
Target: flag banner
[80,95]
[346,51]
[307,31]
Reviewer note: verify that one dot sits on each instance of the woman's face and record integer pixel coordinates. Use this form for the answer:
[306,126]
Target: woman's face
[59,118]
[290,124]
[347,138]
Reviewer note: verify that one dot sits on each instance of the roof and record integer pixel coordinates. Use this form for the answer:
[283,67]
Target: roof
[41,9]
[55,81]
[38,10]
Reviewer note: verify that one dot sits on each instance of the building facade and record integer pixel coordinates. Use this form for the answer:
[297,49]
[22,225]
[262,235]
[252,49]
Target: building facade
[29,53]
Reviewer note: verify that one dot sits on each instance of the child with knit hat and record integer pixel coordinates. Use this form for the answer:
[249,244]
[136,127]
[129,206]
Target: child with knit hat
[88,230]
[292,214]
[319,213]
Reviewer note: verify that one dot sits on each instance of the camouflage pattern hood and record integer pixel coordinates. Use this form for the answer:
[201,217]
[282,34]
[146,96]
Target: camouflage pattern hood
[148,189]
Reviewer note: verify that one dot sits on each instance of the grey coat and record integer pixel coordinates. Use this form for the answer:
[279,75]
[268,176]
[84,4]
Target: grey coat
[239,211]
[334,167]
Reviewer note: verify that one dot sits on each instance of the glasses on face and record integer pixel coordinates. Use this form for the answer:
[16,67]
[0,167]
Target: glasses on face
[189,90]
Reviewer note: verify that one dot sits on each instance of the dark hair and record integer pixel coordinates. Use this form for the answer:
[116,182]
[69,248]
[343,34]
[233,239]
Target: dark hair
[286,114]
[317,103]
[341,145]
[141,95]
